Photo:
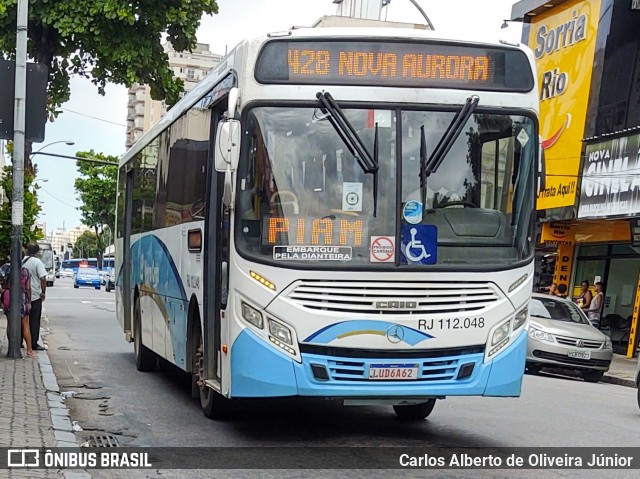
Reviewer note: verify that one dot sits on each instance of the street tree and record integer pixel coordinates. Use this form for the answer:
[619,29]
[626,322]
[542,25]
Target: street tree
[117,41]
[96,188]
[86,246]
[30,232]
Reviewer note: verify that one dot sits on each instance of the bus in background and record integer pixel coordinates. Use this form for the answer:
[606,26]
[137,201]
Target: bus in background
[108,263]
[341,213]
[47,257]
[74,264]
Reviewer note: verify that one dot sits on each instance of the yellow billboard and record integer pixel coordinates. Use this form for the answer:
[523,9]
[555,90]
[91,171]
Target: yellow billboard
[563,41]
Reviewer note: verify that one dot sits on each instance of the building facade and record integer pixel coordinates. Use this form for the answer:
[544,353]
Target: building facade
[63,240]
[588,58]
[143,112]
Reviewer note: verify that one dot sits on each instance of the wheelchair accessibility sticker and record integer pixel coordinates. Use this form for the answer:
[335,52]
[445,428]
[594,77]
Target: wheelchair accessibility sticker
[419,244]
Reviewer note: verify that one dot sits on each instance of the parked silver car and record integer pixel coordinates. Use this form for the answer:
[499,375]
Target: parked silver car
[561,336]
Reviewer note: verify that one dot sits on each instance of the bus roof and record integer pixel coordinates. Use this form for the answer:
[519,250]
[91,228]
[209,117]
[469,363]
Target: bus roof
[234,61]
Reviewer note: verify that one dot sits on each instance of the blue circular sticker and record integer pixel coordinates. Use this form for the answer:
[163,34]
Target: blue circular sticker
[412,212]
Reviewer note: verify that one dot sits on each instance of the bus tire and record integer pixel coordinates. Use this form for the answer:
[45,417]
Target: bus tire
[415,411]
[145,358]
[214,405]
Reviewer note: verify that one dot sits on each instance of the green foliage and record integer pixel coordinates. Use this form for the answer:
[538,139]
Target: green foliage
[116,41]
[86,246]
[31,210]
[96,187]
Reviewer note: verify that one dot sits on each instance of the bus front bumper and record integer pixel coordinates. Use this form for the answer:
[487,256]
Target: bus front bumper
[259,370]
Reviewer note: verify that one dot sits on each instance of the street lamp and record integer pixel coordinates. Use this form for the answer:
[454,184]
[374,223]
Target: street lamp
[66,142]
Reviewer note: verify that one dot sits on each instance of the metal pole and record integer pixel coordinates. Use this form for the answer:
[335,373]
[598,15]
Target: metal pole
[77,158]
[17,203]
[415,4]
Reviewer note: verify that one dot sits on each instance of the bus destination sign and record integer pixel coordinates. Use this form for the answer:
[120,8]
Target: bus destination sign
[400,64]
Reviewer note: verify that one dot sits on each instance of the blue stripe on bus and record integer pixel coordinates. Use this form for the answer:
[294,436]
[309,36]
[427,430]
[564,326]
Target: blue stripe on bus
[358,327]
[156,272]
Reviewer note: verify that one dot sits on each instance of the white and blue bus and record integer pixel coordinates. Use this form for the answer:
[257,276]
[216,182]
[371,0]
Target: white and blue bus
[343,213]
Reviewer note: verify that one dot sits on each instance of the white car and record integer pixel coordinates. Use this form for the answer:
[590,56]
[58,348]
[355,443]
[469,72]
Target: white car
[67,273]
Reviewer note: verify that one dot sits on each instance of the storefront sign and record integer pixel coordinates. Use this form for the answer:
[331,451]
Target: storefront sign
[559,233]
[610,179]
[563,41]
[634,323]
[564,262]
[565,232]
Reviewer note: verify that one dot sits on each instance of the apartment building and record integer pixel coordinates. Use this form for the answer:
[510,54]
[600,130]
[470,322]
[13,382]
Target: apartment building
[191,67]
[63,240]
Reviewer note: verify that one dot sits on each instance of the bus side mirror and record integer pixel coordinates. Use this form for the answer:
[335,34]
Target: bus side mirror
[227,146]
[541,173]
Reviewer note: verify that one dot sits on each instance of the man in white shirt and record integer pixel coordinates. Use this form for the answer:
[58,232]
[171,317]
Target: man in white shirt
[38,288]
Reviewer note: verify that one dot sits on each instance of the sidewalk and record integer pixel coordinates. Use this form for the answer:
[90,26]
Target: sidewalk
[622,371]
[32,410]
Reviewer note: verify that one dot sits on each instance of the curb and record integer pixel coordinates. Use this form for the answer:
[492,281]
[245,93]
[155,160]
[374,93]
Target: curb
[62,427]
[630,383]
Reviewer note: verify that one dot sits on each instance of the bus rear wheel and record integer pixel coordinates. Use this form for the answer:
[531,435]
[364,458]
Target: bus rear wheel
[415,411]
[145,358]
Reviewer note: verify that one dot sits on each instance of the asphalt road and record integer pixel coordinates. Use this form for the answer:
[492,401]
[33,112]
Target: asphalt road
[116,402]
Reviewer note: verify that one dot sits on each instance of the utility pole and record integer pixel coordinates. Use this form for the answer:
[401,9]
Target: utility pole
[17,204]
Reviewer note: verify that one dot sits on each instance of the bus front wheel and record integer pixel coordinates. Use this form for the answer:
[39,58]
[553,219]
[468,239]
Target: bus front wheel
[145,358]
[214,405]
[415,411]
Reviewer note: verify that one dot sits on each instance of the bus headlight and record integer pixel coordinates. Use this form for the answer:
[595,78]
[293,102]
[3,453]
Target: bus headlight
[251,315]
[500,337]
[280,332]
[500,333]
[521,318]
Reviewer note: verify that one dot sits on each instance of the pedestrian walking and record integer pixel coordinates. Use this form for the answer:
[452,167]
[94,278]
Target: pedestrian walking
[594,312]
[25,304]
[38,287]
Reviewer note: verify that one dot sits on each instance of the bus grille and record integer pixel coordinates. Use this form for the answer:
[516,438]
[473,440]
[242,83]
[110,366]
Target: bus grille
[397,298]
[434,369]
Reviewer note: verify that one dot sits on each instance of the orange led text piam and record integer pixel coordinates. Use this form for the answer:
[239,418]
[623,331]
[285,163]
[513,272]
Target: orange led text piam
[324,232]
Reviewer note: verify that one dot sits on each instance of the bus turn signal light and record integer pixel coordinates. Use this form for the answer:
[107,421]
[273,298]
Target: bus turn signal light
[263,281]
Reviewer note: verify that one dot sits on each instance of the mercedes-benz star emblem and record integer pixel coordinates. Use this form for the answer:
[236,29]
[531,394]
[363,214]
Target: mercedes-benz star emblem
[395,334]
[580,343]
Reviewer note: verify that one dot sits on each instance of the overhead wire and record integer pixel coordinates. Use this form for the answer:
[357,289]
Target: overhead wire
[94,117]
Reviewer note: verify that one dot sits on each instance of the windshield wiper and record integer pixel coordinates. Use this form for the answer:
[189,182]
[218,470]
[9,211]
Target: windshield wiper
[423,167]
[351,139]
[450,136]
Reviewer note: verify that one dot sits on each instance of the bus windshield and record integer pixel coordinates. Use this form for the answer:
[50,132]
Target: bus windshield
[304,201]
[46,256]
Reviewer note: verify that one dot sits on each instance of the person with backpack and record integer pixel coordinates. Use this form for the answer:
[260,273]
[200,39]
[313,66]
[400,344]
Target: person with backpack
[38,287]
[25,304]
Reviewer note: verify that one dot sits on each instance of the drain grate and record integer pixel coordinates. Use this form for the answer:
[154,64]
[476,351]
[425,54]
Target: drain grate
[103,440]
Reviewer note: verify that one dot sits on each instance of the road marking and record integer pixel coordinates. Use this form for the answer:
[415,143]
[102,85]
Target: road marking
[86,302]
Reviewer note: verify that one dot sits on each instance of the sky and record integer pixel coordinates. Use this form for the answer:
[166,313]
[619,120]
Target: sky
[98,122]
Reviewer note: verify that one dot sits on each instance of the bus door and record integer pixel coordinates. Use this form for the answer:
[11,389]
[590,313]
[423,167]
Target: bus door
[126,255]
[216,259]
